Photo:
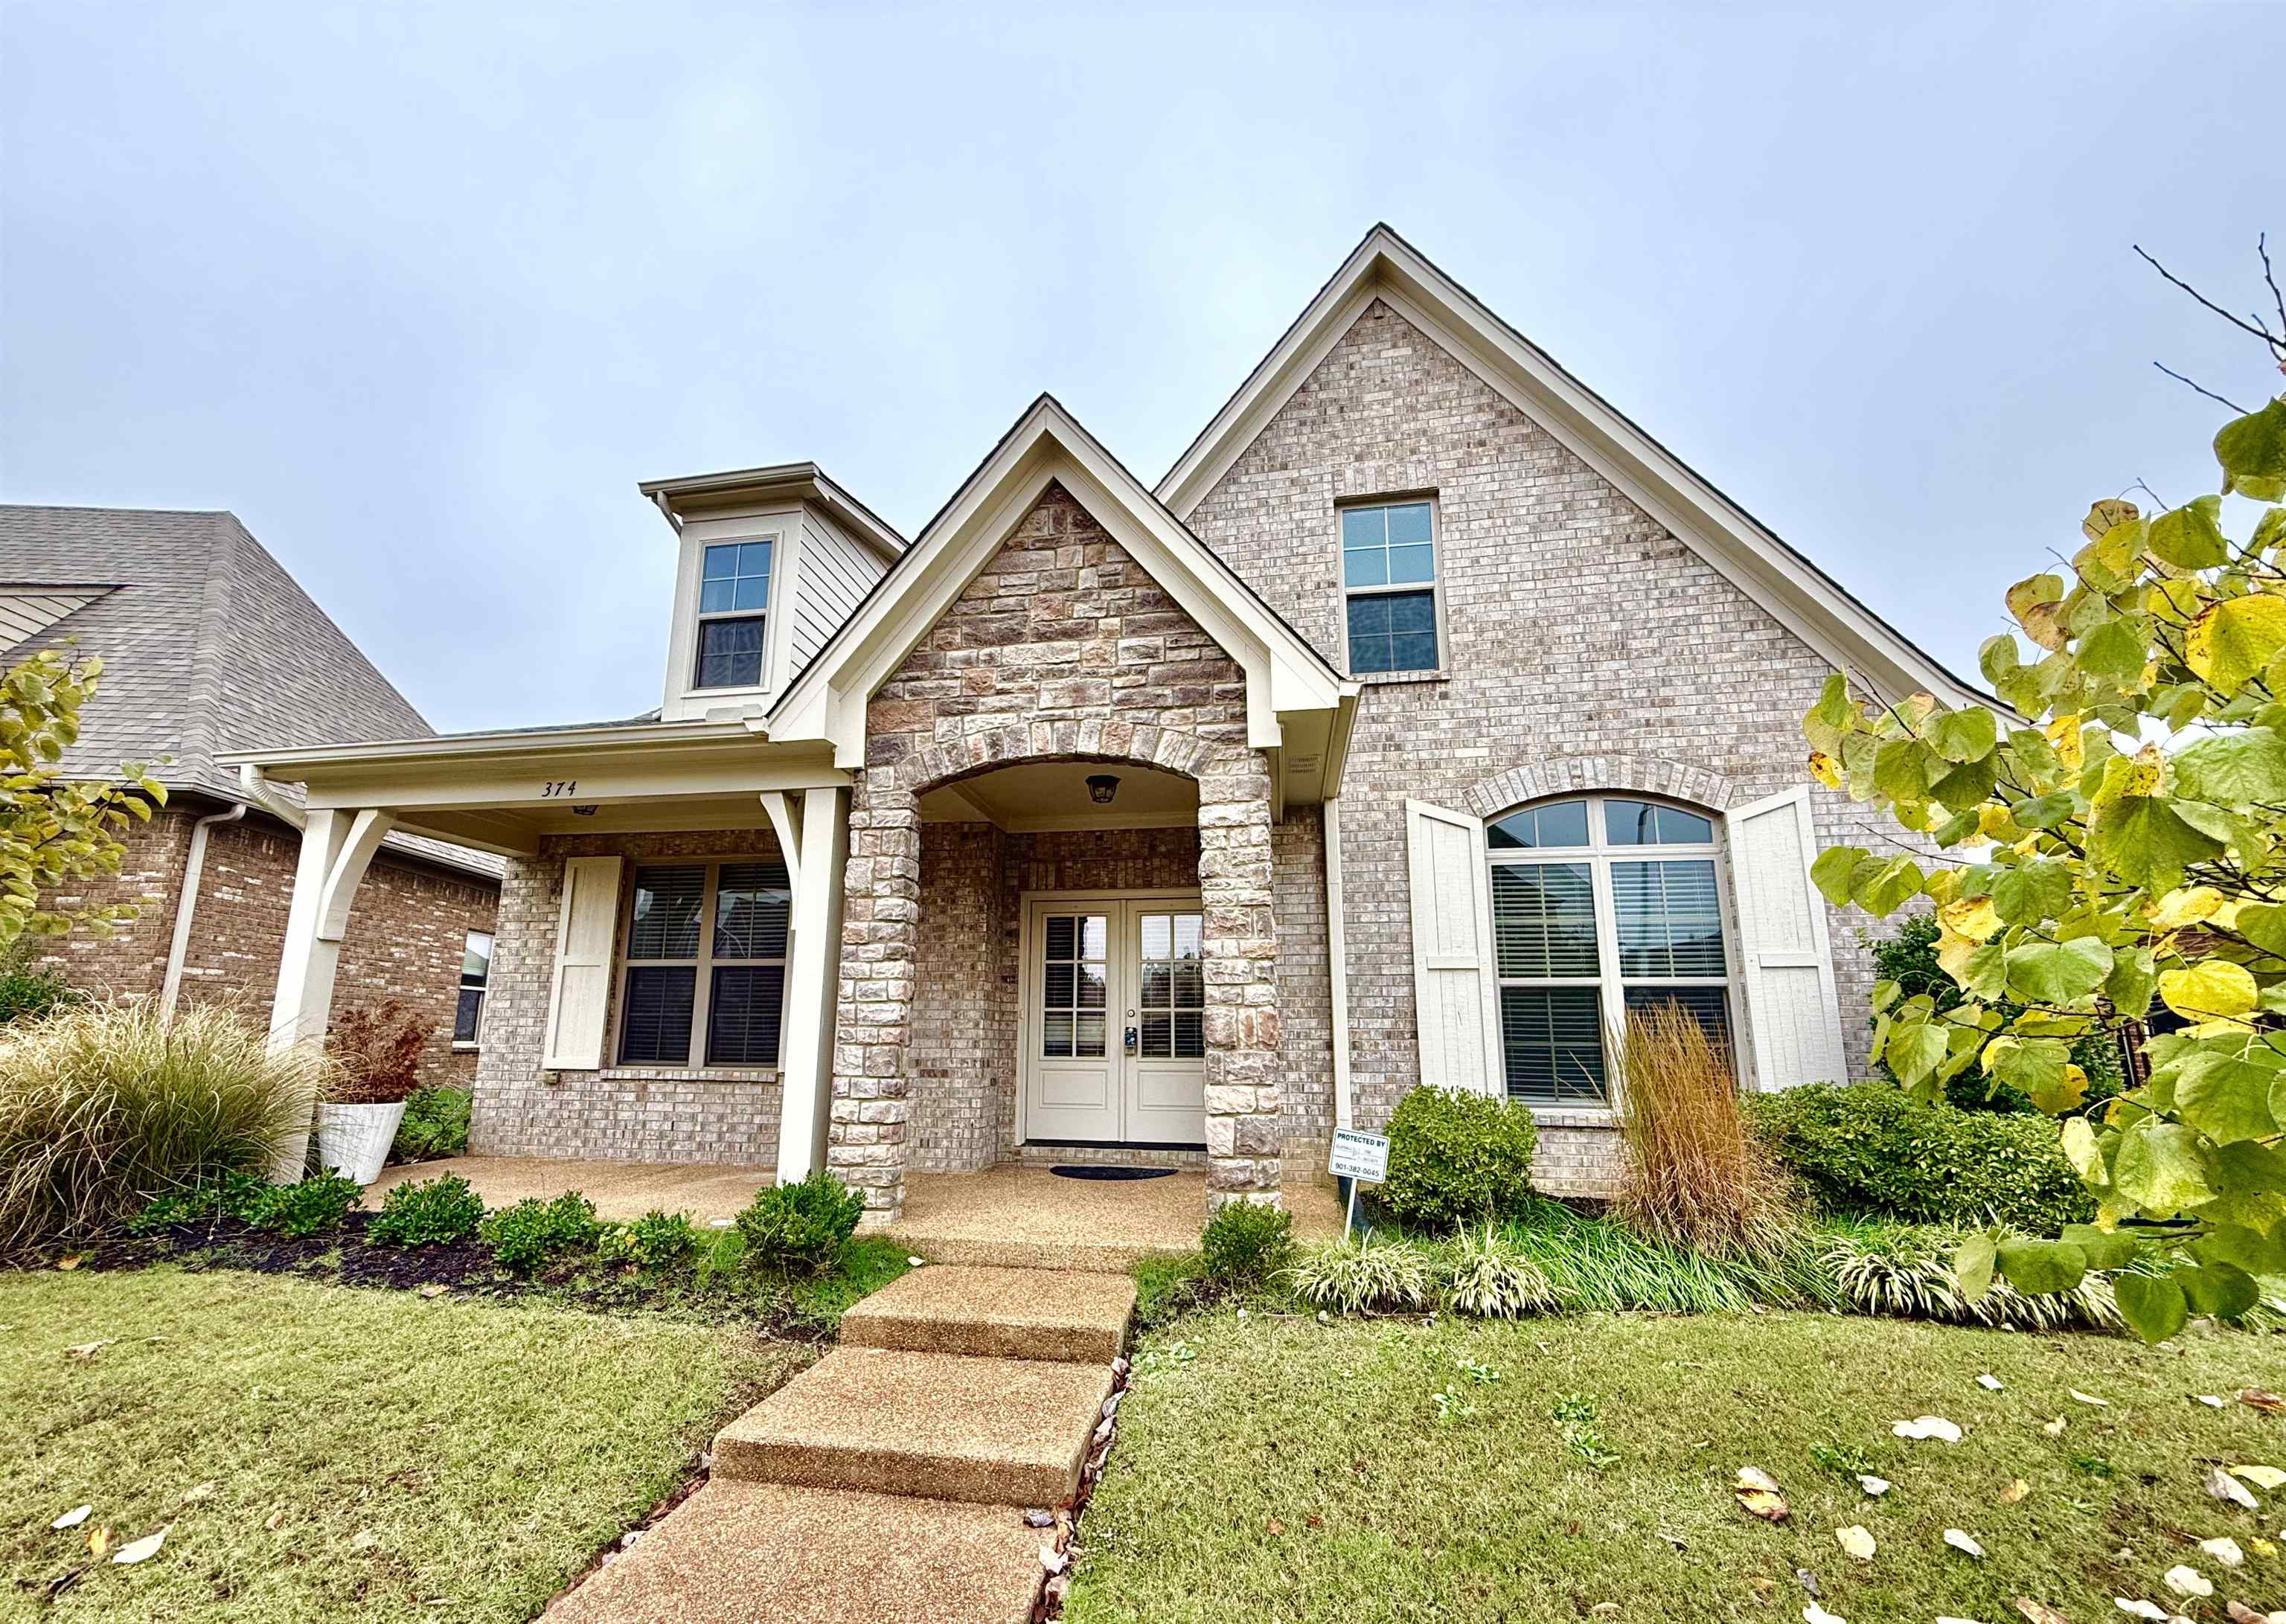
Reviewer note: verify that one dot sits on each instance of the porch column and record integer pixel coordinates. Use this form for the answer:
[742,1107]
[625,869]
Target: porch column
[872,1105]
[336,848]
[816,860]
[1245,1139]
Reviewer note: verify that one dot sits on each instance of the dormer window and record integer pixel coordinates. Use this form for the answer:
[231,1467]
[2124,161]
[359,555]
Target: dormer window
[734,601]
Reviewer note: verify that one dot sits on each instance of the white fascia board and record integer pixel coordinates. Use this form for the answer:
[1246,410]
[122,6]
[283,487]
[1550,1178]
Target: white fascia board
[1814,608]
[1283,674]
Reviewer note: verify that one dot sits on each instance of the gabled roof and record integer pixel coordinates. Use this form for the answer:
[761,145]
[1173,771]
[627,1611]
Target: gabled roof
[1384,266]
[1286,679]
[699,495]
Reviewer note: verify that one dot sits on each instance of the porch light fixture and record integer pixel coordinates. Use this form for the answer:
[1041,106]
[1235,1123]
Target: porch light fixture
[1101,787]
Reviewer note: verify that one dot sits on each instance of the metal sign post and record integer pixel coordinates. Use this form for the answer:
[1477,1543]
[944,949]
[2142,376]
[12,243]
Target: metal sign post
[1358,1157]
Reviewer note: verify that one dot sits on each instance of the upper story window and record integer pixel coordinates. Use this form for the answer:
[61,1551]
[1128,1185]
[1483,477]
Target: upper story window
[1389,586]
[1602,905]
[734,601]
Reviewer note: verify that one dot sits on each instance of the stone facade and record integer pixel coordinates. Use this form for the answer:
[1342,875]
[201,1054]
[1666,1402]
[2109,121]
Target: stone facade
[1061,648]
[407,928]
[619,1113]
[1585,647]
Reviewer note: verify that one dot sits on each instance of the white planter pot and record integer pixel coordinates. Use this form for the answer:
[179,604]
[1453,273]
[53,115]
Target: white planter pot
[354,1140]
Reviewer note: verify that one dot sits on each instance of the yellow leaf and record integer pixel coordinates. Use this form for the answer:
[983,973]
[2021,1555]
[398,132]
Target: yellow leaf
[2107,515]
[1993,820]
[2182,908]
[1997,1048]
[2232,641]
[1856,1540]
[1824,769]
[1953,951]
[1971,916]
[2015,1492]
[2206,992]
[2063,734]
[2261,1477]
[2143,771]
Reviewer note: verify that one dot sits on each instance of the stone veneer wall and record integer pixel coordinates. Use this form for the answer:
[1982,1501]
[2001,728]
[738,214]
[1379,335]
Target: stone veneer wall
[1587,647]
[1062,647]
[407,928]
[620,1113]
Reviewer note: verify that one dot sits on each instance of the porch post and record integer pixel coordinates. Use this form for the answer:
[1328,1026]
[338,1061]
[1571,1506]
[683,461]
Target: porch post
[872,1104]
[1245,1139]
[336,847]
[806,1050]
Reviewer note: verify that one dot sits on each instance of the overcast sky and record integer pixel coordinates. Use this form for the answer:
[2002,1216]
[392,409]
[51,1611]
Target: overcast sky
[421,290]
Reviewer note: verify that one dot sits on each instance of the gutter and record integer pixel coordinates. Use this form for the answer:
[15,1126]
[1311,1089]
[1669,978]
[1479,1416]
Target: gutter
[1337,960]
[186,903]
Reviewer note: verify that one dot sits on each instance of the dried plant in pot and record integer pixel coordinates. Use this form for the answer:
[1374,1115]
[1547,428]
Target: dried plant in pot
[376,1053]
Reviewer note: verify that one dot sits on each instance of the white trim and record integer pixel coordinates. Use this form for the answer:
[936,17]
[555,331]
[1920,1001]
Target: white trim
[1731,541]
[1284,675]
[1337,963]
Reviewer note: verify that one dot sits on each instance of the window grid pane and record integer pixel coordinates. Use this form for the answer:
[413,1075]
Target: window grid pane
[1173,995]
[743,1009]
[1710,1007]
[1393,632]
[469,1019]
[1552,1044]
[655,1024]
[664,921]
[1075,973]
[753,911]
[1670,920]
[731,653]
[1544,920]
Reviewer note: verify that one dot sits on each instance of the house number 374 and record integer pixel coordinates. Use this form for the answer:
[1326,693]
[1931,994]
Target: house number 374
[556,789]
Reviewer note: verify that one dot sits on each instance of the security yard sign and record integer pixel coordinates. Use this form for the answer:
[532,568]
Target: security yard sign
[1361,1159]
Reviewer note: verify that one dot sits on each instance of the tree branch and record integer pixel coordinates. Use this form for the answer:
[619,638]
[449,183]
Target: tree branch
[2272,339]
[2196,388]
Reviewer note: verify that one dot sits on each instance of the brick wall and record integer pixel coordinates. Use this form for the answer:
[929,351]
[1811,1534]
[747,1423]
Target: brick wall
[407,927]
[1062,647]
[622,1113]
[1586,643]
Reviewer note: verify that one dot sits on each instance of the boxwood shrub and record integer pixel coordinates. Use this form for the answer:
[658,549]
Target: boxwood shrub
[1457,1158]
[1872,1148]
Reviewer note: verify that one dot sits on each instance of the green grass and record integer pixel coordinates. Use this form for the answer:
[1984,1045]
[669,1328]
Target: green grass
[424,1458]
[1276,1469]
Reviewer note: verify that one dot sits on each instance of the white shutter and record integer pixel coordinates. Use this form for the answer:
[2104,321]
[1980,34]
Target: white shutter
[1789,964]
[1456,984]
[580,991]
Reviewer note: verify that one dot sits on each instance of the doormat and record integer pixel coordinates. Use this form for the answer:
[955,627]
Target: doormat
[1113,1174]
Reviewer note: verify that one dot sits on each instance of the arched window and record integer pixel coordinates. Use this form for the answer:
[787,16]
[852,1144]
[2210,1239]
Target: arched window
[1602,905]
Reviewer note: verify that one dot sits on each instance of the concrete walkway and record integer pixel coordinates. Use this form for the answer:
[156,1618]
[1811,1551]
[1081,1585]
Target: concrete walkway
[619,1189]
[887,1483]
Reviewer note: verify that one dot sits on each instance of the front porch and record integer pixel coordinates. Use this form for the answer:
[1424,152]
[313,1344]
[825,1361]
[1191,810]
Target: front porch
[1005,1217]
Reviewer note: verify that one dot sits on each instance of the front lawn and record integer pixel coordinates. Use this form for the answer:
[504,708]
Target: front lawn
[324,1453]
[1274,1468]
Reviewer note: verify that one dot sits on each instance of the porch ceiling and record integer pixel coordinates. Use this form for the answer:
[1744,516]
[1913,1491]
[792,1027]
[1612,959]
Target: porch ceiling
[1038,795]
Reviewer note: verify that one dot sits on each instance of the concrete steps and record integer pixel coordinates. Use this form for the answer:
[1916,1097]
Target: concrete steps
[887,1483]
[998,1313]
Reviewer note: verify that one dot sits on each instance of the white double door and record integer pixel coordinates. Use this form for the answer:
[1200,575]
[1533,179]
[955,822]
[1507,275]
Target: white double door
[1113,1041]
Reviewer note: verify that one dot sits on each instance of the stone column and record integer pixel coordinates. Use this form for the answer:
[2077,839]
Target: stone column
[1244,1140]
[872,1105]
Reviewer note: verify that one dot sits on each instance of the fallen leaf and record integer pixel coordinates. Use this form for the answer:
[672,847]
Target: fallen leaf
[1871,1485]
[1054,1560]
[2261,1477]
[1927,1426]
[62,1582]
[1961,1542]
[1816,1614]
[2212,1401]
[1763,1586]
[2229,1490]
[2262,1548]
[2015,1492]
[99,1543]
[276,1520]
[2140,1608]
[2239,1612]
[915,1262]
[2185,1580]
[1759,1496]
[1990,1383]
[364,1539]
[2261,1398]
[2039,1613]
[2054,1429]
[88,1350]
[142,1550]
[71,1262]
[432,1289]
[204,1491]
[1273,1527]
[1856,1540]
[2225,1550]
[2089,1398]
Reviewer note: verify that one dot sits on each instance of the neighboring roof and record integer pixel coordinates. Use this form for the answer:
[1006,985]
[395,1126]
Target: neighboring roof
[1385,266]
[28,610]
[699,496]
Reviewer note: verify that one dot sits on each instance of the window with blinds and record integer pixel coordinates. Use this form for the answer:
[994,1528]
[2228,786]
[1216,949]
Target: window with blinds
[703,981]
[1602,905]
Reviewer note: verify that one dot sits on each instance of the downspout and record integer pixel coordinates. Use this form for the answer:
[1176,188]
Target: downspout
[186,903]
[1337,960]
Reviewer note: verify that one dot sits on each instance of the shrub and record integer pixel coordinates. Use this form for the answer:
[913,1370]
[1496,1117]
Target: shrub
[1246,1242]
[1872,1148]
[527,1235]
[656,1240]
[436,1124]
[801,1226]
[104,1106]
[1487,1277]
[1907,1273]
[314,1206]
[378,1048]
[1909,958]
[28,991]
[1697,1176]
[428,1213]
[241,1196]
[1352,1276]
[1456,1159]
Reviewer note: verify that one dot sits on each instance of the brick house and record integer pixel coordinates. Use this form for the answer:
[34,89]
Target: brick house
[208,645]
[1423,719]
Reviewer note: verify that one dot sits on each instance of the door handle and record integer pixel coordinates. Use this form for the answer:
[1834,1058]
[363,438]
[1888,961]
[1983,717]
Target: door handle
[1131,1040]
